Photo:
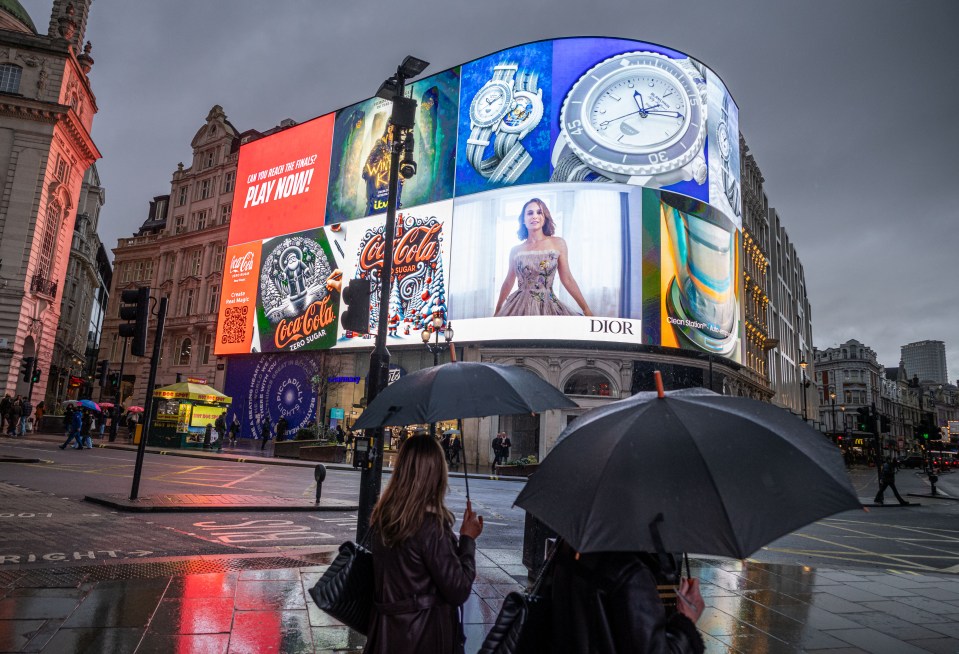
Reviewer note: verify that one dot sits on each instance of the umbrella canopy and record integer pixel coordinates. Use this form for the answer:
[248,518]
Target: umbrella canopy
[89,404]
[461,390]
[107,405]
[714,474]
[135,409]
[70,402]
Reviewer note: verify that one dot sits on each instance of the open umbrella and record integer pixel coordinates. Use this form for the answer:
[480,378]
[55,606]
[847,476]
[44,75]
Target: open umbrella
[135,409]
[107,405]
[89,404]
[461,390]
[687,471]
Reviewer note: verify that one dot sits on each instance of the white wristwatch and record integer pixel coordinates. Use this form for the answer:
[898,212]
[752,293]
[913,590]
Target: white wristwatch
[503,112]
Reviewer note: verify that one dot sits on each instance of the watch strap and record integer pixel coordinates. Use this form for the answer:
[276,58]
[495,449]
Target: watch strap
[512,165]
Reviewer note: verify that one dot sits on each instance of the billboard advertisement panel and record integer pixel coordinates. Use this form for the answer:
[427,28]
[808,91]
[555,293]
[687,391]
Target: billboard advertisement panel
[580,189]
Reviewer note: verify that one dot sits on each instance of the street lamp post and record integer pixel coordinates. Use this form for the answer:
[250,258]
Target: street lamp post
[402,120]
[436,327]
[805,385]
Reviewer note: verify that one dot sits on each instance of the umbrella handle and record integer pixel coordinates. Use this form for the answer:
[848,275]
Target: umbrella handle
[466,468]
[659,384]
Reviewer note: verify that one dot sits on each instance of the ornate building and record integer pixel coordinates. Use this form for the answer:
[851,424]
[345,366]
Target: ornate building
[178,252]
[84,299]
[46,113]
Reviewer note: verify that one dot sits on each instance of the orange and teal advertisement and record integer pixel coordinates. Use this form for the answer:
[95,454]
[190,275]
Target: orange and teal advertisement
[234,328]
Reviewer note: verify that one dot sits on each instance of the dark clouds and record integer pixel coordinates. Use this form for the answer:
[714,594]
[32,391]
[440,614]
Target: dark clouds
[849,108]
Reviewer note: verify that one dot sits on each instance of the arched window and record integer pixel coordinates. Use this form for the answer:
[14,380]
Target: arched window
[183,355]
[10,78]
[588,383]
[49,243]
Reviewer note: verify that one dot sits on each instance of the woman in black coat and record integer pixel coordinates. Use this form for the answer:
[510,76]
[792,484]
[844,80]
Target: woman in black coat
[422,573]
[608,603]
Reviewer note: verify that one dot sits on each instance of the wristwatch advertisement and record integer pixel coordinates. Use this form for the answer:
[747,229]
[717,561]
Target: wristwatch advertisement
[635,118]
[502,113]
[724,160]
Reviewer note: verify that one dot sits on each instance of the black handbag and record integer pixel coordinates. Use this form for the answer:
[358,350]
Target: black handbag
[523,623]
[345,590]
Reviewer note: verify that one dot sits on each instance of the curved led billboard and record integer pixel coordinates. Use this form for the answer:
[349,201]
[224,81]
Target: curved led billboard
[580,189]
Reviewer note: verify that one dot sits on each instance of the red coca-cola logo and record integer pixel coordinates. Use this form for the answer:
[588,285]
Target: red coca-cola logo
[242,264]
[317,316]
[417,244]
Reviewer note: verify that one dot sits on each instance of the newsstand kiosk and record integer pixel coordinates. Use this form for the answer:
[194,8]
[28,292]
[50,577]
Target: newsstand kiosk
[181,413]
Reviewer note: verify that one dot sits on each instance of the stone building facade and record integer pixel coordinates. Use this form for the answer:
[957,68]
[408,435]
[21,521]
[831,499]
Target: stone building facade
[46,114]
[85,294]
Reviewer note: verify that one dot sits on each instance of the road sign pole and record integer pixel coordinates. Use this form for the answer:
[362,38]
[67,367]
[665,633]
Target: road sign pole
[148,405]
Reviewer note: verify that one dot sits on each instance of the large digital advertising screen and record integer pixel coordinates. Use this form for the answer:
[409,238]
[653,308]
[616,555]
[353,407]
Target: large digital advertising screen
[580,189]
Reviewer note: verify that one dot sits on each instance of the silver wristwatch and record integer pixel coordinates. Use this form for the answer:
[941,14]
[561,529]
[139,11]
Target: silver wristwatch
[730,183]
[503,112]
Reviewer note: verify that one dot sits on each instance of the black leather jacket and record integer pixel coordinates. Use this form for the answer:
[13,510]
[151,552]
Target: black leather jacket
[608,603]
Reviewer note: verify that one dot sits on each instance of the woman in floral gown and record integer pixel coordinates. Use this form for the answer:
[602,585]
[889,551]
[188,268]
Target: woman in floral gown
[532,266]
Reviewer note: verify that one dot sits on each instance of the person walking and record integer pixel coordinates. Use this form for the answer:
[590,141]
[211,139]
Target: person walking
[86,426]
[234,431]
[422,573]
[501,445]
[75,424]
[887,479]
[445,443]
[264,432]
[13,416]
[456,449]
[608,602]
[5,405]
[26,410]
[281,427]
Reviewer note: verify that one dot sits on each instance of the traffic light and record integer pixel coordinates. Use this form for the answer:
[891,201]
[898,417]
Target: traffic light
[114,379]
[103,371]
[36,375]
[136,307]
[26,368]
[356,318]
[884,423]
[863,422]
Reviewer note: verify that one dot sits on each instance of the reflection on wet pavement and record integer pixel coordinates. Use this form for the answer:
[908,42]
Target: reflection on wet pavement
[751,607]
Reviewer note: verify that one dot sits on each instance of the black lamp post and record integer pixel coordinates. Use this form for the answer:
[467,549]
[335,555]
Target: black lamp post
[832,397]
[402,120]
[436,328]
[805,385]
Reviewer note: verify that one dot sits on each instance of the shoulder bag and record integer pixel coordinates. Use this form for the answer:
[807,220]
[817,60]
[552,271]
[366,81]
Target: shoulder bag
[523,623]
[345,591]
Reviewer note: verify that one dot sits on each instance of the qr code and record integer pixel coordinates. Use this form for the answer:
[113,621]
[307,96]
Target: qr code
[234,325]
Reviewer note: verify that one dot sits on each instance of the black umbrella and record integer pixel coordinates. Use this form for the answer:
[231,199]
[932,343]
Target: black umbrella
[461,390]
[688,471]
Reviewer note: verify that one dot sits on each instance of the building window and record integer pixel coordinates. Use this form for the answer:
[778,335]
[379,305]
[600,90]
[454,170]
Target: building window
[587,383]
[62,170]
[49,243]
[10,78]
[219,252]
[187,301]
[196,259]
[138,271]
[209,158]
[182,196]
[225,212]
[229,181]
[170,266]
[207,348]
[213,298]
[203,190]
[184,351]
[178,225]
[200,219]
[148,269]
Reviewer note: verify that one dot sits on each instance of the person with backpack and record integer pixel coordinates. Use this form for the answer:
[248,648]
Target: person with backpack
[887,479]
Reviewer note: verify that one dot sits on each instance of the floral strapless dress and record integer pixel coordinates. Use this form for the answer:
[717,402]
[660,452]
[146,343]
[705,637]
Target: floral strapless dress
[535,271]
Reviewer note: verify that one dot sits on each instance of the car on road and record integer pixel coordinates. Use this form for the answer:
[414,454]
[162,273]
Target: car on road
[911,461]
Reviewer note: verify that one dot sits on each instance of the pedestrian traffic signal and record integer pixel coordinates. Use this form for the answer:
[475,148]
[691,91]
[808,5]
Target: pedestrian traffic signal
[36,375]
[136,307]
[26,368]
[356,295]
[103,371]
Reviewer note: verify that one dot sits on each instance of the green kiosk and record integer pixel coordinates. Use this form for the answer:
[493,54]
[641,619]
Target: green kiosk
[182,412]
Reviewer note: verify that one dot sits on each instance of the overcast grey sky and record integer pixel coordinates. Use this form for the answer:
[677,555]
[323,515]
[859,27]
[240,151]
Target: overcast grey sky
[849,107]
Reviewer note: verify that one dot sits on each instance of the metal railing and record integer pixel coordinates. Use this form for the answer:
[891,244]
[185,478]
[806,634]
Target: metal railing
[43,286]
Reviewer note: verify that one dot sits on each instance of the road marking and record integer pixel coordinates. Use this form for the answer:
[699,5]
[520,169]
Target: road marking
[249,476]
[259,531]
[75,556]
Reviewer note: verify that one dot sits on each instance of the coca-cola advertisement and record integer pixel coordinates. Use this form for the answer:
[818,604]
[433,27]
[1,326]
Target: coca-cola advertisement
[298,302]
[238,304]
[420,262]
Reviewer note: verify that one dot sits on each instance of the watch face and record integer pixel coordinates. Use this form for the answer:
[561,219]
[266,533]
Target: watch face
[638,113]
[722,132]
[525,112]
[491,103]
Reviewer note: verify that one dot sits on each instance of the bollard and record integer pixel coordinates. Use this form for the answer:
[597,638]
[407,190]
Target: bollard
[319,474]
[932,482]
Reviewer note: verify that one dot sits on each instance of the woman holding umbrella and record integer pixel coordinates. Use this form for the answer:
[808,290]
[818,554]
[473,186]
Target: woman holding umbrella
[422,573]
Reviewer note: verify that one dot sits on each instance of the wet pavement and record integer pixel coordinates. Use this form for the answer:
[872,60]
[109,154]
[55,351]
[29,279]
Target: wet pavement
[195,503]
[222,602]
[261,604]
